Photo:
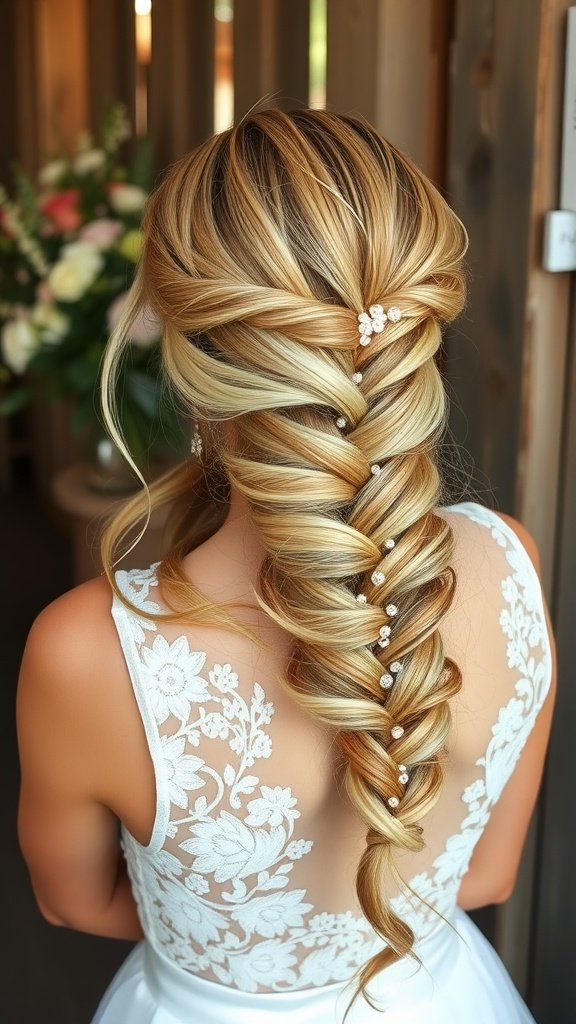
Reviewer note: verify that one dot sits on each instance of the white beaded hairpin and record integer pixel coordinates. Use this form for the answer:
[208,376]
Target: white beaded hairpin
[403,779]
[387,678]
[374,320]
[196,443]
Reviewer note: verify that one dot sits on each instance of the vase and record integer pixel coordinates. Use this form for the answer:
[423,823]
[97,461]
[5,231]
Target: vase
[108,471]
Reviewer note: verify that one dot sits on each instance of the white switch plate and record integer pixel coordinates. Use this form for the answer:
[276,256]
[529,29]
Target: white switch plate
[559,240]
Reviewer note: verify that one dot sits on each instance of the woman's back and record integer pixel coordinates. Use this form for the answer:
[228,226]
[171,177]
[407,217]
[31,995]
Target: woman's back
[277,798]
[248,872]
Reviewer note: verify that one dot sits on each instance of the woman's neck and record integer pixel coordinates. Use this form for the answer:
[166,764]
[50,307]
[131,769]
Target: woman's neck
[229,561]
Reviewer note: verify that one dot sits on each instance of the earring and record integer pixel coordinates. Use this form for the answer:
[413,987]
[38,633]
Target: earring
[196,442]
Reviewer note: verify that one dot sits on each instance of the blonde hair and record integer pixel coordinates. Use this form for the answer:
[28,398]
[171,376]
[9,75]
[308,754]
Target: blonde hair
[261,248]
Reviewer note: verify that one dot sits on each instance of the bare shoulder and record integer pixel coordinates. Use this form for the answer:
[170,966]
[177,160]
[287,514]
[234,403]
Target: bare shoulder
[472,538]
[72,641]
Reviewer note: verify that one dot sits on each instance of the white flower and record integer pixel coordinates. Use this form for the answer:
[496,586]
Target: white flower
[89,160]
[51,174]
[223,678]
[215,726]
[165,863]
[53,324]
[267,963]
[273,806]
[78,267]
[262,746]
[298,848]
[180,770]
[474,791]
[226,847]
[126,198]
[322,922]
[20,341]
[365,324]
[197,884]
[173,680]
[272,915]
[510,721]
[189,915]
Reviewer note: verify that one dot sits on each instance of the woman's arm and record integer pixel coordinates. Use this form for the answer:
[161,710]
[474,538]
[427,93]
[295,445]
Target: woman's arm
[69,838]
[494,866]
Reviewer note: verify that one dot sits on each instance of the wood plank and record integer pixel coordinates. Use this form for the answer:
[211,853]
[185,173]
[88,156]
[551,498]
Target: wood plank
[380,51]
[18,62]
[490,180]
[271,54]
[553,988]
[62,73]
[111,56]
[181,96]
[547,311]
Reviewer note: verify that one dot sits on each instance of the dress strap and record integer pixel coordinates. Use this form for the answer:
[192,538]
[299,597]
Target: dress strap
[133,630]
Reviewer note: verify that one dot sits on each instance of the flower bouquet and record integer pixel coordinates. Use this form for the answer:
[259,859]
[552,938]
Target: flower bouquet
[68,250]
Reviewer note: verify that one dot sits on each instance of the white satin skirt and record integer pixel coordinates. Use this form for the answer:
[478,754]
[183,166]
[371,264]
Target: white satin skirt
[461,981]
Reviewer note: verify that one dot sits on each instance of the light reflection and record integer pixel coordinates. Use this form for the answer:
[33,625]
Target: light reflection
[143,29]
[317,53]
[223,65]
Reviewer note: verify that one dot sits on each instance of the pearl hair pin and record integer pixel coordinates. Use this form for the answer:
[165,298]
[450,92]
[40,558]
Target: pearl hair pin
[196,443]
[341,422]
[357,377]
[374,321]
[378,578]
[397,731]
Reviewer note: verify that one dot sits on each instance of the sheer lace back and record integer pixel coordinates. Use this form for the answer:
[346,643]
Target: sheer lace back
[248,878]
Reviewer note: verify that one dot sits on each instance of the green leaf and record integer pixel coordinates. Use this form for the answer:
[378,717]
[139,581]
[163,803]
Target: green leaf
[143,164]
[26,197]
[144,391]
[81,375]
[83,413]
[15,400]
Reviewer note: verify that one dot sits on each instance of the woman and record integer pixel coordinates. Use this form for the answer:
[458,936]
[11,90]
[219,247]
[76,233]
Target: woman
[321,720]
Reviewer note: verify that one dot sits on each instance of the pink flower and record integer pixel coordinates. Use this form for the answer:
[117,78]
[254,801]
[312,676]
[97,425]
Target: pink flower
[102,233]
[44,292]
[6,224]
[62,209]
[145,329]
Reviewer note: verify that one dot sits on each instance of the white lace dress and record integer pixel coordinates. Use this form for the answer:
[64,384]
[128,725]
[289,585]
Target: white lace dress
[240,891]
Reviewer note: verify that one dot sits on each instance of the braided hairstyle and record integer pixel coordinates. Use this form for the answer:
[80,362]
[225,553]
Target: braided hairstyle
[261,248]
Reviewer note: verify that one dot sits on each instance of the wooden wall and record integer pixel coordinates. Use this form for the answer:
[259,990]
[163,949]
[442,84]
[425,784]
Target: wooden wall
[471,89]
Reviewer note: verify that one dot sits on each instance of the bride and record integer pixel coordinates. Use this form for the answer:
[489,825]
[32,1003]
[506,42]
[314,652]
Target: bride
[288,758]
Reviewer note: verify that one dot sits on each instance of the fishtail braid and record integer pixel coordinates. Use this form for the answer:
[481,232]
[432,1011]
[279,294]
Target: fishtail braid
[261,250]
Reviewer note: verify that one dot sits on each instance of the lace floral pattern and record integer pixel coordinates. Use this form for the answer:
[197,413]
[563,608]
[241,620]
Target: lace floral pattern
[227,907]
[528,652]
[214,890]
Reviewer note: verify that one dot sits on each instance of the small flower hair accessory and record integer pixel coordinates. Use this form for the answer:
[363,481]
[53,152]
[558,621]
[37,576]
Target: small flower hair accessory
[196,443]
[374,320]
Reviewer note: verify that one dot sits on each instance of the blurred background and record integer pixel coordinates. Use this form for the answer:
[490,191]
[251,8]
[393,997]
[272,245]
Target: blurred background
[98,97]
